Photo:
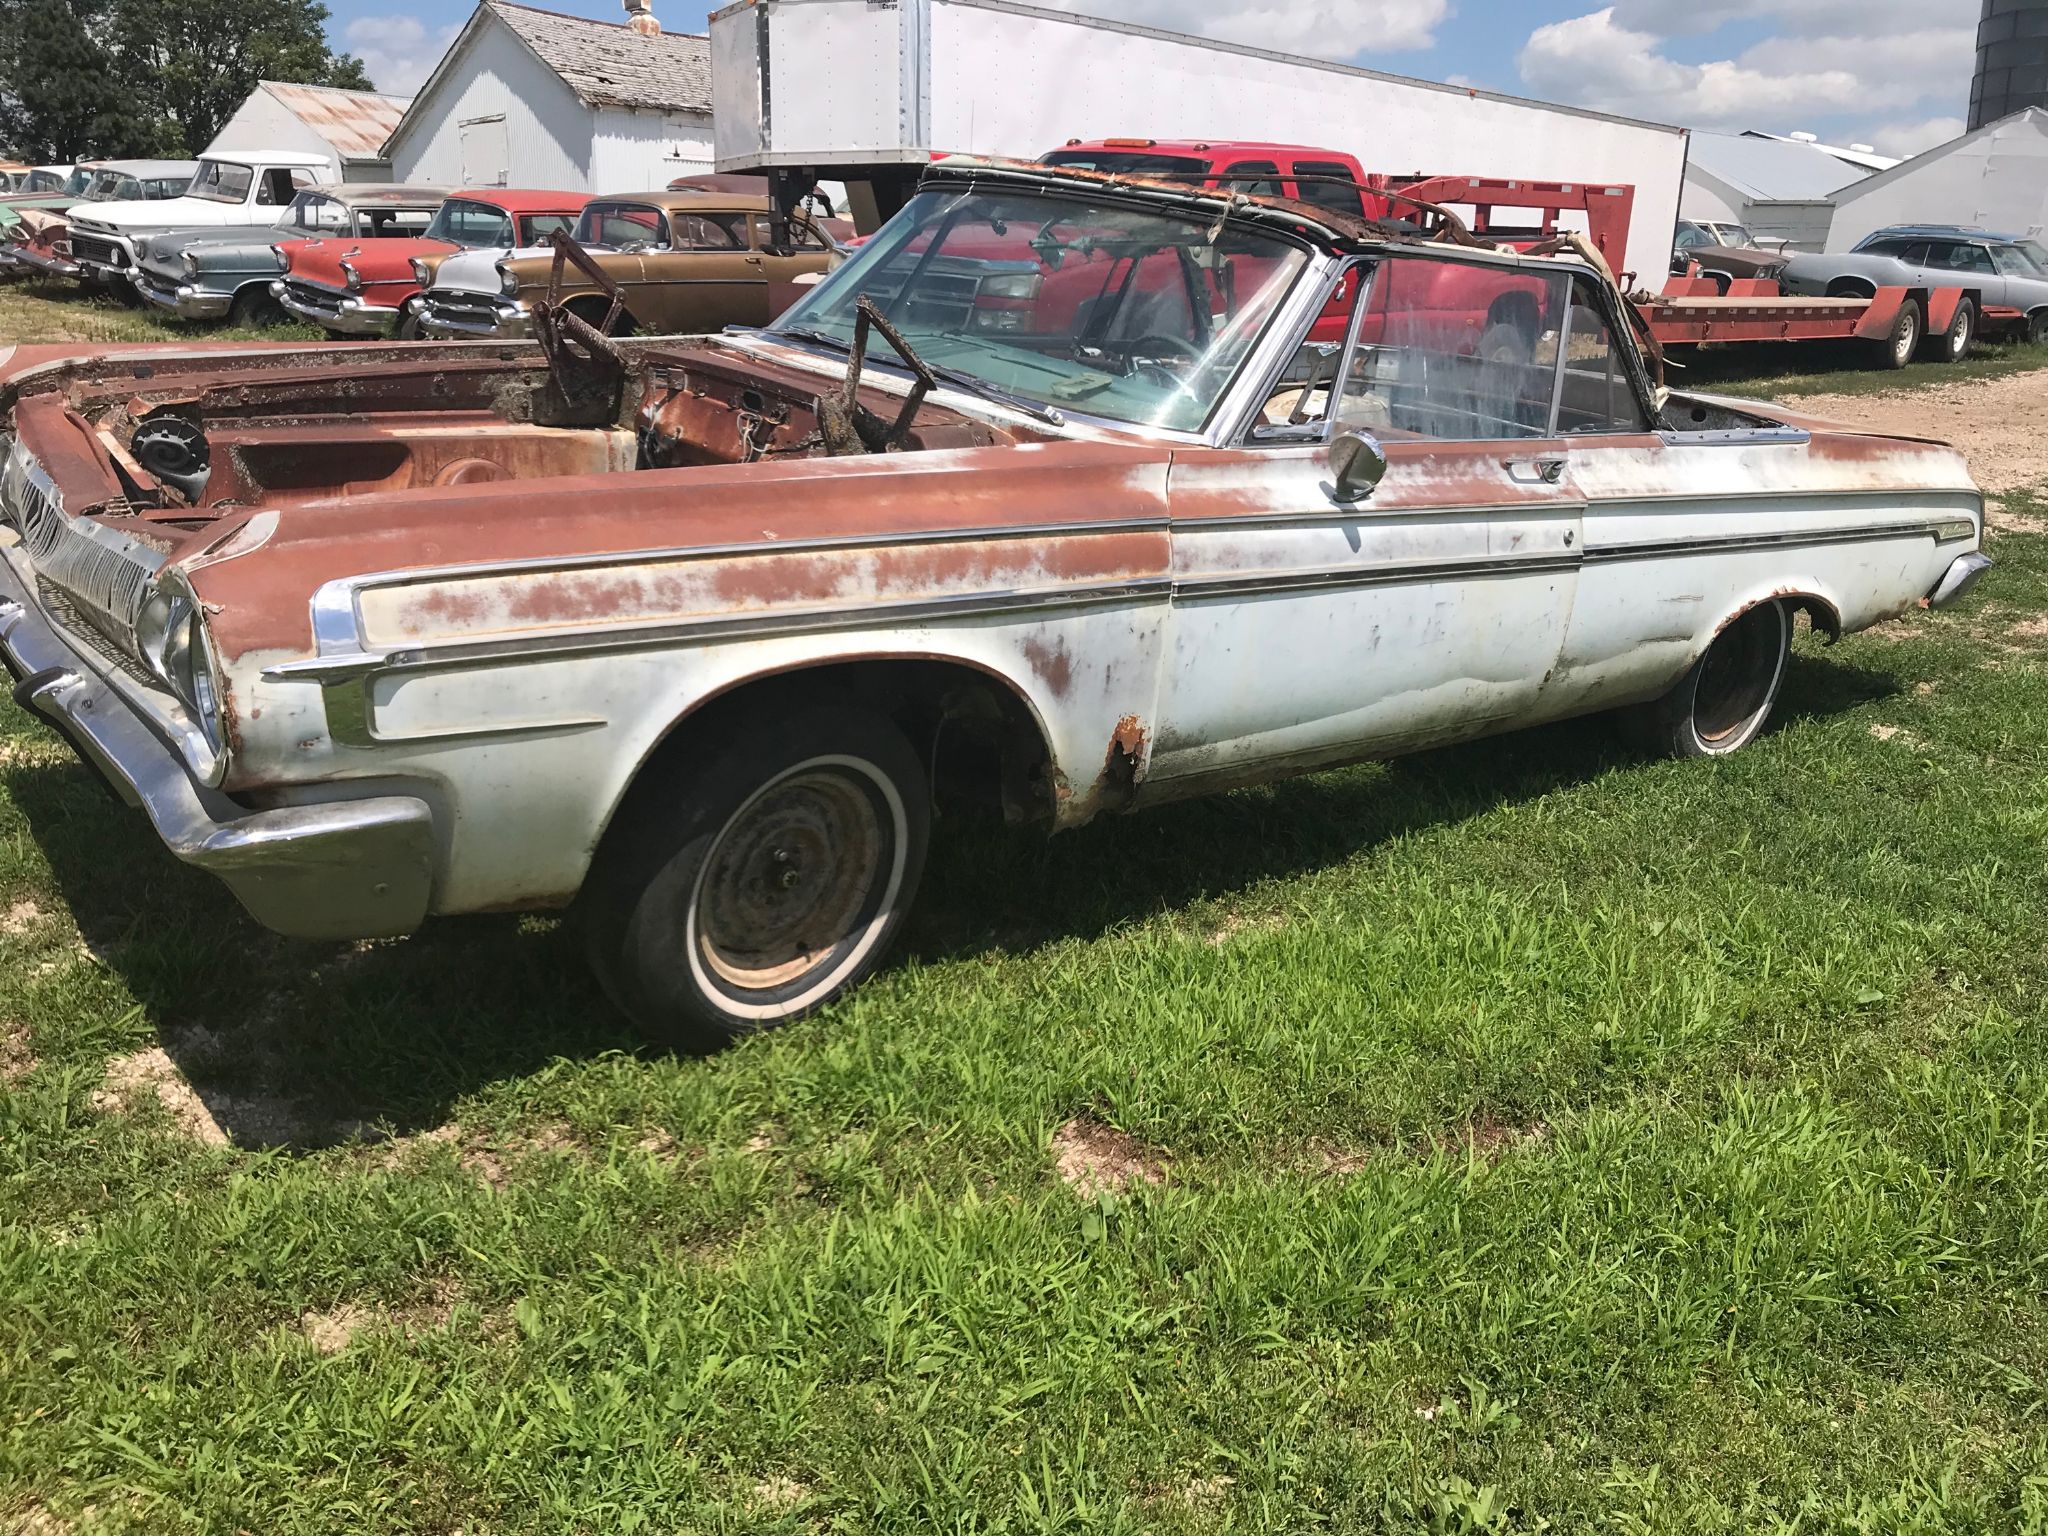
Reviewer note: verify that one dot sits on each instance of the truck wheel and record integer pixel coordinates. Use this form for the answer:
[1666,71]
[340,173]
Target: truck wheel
[761,882]
[1721,705]
[1953,344]
[254,308]
[1903,340]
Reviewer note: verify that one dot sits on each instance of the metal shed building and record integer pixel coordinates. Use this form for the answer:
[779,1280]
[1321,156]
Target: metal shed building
[1779,189]
[348,127]
[1995,178]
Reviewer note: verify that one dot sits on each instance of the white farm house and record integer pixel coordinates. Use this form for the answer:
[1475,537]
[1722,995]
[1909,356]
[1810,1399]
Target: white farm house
[531,98]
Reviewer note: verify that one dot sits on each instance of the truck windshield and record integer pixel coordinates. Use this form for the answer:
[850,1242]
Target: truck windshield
[1131,162]
[220,182]
[1084,306]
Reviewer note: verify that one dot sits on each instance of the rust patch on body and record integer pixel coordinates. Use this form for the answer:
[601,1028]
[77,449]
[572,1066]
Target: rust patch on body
[1051,660]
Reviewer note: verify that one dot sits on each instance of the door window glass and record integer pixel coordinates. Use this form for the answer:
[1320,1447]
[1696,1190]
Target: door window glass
[1454,350]
[311,210]
[540,225]
[393,223]
[1964,258]
[622,224]
[1598,394]
[1328,184]
[709,231]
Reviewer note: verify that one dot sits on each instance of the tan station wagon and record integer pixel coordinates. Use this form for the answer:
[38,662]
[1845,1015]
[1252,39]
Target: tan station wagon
[684,261]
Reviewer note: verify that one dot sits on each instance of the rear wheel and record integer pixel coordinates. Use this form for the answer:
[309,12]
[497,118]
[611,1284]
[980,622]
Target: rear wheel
[762,879]
[1903,340]
[1721,705]
[2037,327]
[1953,344]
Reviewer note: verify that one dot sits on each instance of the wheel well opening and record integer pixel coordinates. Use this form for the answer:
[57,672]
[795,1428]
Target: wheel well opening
[1821,616]
[1851,288]
[982,746]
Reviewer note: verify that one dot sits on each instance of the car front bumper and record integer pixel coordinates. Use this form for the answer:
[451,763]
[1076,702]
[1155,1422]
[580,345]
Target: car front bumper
[180,299]
[23,259]
[334,310]
[332,870]
[500,322]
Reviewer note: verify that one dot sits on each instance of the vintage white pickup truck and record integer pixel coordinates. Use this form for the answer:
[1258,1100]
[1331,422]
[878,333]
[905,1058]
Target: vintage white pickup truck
[1041,500]
[230,188]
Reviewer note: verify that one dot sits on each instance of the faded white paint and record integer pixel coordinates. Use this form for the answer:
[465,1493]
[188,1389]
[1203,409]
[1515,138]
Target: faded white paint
[855,82]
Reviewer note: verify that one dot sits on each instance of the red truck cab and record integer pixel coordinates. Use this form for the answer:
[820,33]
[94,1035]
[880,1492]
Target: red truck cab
[1327,178]
[369,288]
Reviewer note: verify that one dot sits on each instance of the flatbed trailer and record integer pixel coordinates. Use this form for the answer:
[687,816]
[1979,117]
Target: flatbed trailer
[1700,311]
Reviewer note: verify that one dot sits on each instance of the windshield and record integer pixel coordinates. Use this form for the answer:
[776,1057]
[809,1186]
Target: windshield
[45,181]
[220,182]
[1735,234]
[2035,254]
[1093,307]
[473,226]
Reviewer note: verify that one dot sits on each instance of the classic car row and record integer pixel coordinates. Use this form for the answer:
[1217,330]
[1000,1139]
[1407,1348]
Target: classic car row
[1025,505]
[252,238]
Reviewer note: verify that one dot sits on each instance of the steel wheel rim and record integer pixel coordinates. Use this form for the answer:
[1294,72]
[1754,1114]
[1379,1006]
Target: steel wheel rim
[1735,684]
[1909,336]
[798,887]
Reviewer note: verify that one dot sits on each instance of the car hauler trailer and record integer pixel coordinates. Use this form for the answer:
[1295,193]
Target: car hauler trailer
[869,91]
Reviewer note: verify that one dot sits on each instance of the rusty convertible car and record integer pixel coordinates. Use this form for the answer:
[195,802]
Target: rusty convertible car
[1026,506]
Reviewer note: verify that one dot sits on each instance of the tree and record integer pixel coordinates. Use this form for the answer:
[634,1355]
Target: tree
[191,63]
[59,99]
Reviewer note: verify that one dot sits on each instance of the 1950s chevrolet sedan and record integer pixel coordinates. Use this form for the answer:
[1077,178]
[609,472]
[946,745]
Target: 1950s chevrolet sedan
[1039,501]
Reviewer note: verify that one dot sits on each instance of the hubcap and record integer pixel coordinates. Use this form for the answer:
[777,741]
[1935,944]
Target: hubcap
[789,879]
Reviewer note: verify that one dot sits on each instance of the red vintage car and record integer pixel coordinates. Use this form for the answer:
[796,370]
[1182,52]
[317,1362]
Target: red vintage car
[354,288]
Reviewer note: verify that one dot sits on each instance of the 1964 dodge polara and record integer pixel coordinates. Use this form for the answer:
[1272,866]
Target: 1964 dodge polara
[1035,501]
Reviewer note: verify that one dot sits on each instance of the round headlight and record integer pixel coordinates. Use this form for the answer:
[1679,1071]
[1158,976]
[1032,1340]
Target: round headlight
[351,276]
[508,280]
[191,264]
[171,634]
[282,259]
[420,274]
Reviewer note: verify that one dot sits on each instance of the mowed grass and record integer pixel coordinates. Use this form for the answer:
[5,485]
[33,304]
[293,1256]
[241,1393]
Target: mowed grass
[1517,1137]
[1770,368]
[60,312]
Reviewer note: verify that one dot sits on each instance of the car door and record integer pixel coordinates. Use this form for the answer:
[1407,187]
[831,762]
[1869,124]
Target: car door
[1307,628]
[787,275]
[708,277]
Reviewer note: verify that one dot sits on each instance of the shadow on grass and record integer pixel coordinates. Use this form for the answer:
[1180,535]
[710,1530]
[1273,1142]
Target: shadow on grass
[300,1045]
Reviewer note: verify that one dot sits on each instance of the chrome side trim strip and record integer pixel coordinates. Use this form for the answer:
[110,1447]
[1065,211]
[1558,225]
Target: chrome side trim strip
[1941,533]
[1198,588]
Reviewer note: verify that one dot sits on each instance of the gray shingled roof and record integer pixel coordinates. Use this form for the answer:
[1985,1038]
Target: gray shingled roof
[608,65]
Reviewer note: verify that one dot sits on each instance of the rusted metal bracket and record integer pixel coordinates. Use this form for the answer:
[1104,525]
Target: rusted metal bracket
[844,423]
[584,361]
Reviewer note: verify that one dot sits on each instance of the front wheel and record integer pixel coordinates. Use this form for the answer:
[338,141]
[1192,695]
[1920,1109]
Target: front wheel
[761,879]
[2037,327]
[1720,706]
[254,309]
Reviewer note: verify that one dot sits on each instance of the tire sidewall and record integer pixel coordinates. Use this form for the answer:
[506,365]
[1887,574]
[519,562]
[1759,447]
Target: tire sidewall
[1962,331]
[1908,331]
[652,873]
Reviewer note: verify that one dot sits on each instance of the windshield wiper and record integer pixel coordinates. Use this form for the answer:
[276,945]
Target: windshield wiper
[958,378]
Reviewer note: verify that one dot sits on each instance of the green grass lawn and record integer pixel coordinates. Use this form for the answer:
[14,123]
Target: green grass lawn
[1812,368]
[52,311]
[1518,1137]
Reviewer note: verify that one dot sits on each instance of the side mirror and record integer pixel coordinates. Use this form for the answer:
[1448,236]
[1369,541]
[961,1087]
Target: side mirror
[1357,465]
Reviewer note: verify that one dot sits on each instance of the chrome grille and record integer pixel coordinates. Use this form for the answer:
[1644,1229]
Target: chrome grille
[93,248]
[106,575]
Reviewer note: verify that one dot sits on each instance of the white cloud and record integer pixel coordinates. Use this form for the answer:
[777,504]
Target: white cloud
[1334,29]
[398,52]
[1909,139]
[1597,60]
[1798,18]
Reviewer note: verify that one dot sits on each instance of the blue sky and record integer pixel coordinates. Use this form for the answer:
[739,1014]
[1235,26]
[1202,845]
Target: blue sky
[1893,73]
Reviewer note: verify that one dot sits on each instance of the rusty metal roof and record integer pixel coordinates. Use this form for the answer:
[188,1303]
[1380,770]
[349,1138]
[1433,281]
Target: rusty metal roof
[356,123]
[610,65]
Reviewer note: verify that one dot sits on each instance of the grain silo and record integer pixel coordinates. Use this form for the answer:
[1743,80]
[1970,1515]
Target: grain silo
[2012,60]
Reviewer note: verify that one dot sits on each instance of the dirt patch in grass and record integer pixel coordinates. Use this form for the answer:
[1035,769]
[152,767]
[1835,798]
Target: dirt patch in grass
[492,1159]
[16,1059]
[1092,1157]
[151,1074]
[20,917]
[1995,422]
[777,1495]
[333,1329]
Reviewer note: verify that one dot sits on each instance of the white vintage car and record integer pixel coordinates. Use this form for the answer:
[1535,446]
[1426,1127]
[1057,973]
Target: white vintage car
[1066,494]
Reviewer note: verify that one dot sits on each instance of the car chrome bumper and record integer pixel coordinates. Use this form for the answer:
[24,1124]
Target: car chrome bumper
[336,312]
[180,299]
[22,259]
[1961,575]
[504,323]
[339,870]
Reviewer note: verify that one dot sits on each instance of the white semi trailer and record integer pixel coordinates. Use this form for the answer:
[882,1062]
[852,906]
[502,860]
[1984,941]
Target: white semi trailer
[868,91]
